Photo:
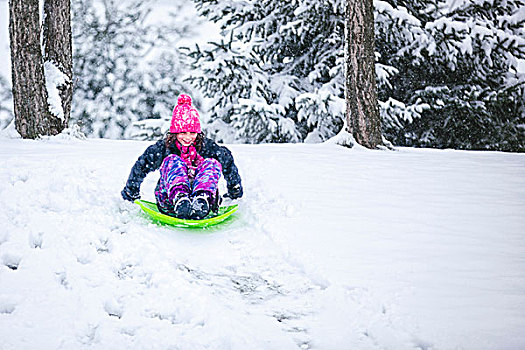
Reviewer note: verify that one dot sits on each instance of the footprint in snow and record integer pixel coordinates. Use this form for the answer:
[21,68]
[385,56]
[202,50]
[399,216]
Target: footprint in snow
[114,308]
[11,260]
[7,306]
[36,239]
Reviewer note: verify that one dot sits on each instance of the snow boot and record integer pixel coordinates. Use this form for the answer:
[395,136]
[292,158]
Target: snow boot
[200,206]
[182,206]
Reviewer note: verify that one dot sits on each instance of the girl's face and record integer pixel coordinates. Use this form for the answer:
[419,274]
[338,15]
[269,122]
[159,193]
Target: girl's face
[186,138]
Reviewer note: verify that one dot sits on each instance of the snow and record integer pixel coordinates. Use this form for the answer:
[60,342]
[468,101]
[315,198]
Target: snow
[332,248]
[54,79]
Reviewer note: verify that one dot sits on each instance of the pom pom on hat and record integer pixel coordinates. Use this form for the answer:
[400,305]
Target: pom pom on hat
[184,99]
[185,117]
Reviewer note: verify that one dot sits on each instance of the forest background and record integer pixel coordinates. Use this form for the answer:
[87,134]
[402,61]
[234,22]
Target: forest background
[450,73]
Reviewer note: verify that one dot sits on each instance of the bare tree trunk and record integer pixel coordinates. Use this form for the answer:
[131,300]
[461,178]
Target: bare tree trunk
[58,49]
[362,108]
[35,112]
[29,91]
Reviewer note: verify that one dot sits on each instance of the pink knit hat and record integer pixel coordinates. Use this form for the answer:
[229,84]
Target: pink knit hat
[185,117]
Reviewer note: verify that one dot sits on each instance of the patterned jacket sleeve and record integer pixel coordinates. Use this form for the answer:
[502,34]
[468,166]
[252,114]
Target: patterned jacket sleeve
[149,161]
[224,156]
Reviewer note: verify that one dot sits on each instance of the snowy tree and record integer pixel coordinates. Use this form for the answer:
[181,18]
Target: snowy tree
[277,74]
[450,77]
[58,55]
[362,109]
[40,78]
[446,71]
[6,103]
[162,83]
[128,69]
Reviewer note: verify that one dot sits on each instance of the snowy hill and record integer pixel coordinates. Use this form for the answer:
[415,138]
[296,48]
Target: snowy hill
[332,249]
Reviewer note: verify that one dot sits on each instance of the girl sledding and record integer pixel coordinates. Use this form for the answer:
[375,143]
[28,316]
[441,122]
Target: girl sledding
[190,168]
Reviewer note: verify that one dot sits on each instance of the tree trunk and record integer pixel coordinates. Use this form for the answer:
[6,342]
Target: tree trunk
[36,112]
[57,44]
[362,108]
[29,91]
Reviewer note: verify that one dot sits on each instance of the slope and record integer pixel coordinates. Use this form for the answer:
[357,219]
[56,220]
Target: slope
[332,249]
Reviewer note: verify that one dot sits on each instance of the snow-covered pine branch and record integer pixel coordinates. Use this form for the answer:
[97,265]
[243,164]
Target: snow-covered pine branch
[446,71]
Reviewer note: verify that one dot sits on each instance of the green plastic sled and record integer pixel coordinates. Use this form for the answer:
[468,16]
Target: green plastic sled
[212,219]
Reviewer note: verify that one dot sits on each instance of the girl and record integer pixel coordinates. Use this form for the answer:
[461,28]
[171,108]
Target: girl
[190,167]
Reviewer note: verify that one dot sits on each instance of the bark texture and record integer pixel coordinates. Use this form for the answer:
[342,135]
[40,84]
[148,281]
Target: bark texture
[362,108]
[29,91]
[30,96]
[57,43]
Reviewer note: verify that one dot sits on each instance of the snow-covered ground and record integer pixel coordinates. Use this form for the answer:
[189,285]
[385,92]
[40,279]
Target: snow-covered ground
[332,248]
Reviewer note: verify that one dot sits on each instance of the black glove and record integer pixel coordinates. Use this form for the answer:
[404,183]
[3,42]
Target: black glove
[234,191]
[126,195]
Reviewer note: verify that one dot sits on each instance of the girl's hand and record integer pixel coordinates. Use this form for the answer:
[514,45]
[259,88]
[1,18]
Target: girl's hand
[129,197]
[234,192]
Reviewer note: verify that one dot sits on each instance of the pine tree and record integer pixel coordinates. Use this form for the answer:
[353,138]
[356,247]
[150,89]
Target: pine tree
[122,75]
[362,109]
[446,71]
[162,85]
[454,80]
[277,75]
